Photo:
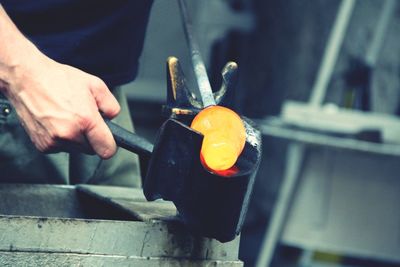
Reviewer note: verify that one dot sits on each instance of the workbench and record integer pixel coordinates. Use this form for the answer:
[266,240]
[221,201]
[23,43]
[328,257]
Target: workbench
[86,225]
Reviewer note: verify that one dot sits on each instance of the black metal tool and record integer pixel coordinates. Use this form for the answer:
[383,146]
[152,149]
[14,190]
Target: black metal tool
[130,141]
[209,204]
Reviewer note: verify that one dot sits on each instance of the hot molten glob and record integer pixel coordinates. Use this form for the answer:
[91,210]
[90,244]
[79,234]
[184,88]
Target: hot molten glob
[224,137]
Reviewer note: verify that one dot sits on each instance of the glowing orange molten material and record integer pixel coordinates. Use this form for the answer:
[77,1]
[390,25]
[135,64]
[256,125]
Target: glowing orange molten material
[224,137]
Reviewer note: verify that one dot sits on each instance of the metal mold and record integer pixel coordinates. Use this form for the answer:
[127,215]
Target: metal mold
[209,204]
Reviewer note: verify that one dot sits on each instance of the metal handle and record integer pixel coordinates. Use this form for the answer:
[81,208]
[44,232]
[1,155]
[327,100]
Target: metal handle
[203,82]
[130,141]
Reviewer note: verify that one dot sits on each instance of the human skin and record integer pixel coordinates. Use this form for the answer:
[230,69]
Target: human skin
[59,106]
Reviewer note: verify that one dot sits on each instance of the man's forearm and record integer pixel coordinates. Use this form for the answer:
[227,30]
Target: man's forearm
[14,49]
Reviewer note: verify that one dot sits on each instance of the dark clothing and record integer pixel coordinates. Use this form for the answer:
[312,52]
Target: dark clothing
[101,37]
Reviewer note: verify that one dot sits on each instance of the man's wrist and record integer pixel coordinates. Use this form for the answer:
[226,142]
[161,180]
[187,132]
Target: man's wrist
[16,52]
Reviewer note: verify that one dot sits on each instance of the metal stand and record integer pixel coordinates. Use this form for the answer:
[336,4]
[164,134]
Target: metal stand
[296,150]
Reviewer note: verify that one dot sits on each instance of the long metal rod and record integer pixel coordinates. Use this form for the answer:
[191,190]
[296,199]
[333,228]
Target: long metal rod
[388,9]
[294,162]
[203,82]
[331,52]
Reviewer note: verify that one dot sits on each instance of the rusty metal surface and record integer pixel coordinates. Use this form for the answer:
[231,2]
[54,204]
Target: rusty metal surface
[30,259]
[50,240]
[123,238]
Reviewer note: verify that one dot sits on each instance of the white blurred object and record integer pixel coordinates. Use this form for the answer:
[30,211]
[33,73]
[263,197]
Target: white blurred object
[341,120]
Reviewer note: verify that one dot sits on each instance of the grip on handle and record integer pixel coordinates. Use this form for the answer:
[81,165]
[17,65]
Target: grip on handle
[130,141]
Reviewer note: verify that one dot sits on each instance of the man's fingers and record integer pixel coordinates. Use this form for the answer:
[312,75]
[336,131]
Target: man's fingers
[105,100]
[100,138]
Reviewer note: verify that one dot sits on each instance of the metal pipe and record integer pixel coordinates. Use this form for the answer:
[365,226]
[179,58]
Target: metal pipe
[198,64]
[332,51]
[377,40]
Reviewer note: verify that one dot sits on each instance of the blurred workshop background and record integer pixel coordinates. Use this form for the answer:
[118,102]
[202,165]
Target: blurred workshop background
[322,80]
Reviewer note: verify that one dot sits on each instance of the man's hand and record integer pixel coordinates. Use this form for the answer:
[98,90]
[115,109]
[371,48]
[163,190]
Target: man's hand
[58,105]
